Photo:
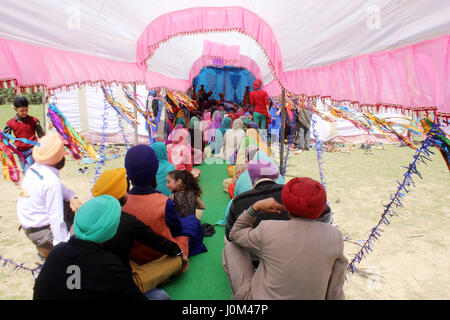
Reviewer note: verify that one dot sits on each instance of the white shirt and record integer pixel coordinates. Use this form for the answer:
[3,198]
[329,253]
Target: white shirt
[43,203]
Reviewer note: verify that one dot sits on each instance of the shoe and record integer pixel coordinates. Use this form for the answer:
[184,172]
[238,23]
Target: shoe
[86,170]
[80,170]
[306,149]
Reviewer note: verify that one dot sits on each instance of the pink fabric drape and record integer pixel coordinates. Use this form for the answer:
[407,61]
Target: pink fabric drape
[230,54]
[209,19]
[415,76]
[34,66]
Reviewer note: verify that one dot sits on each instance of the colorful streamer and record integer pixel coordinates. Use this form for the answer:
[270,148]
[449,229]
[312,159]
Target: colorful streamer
[71,138]
[122,111]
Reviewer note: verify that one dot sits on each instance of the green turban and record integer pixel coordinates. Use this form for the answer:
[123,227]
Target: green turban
[98,219]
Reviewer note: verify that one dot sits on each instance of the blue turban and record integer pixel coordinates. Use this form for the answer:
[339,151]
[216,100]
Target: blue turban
[98,219]
[141,164]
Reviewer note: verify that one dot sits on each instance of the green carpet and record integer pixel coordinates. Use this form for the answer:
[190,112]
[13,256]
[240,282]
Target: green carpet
[205,279]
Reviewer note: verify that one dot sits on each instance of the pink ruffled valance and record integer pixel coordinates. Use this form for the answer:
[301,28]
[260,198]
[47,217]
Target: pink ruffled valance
[229,54]
[25,65]
[416,76]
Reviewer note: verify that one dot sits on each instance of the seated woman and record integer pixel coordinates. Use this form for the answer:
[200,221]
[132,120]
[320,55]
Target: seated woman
[164,167]
[231,141]
[217,144]
[197,143]
[179,151]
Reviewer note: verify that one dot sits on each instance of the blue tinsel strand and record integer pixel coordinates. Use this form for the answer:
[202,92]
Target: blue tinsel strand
[395,201]
[20,266]
[101,156]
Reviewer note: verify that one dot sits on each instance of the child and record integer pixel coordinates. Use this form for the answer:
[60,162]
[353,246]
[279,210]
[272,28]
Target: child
[185,192]
[24,126]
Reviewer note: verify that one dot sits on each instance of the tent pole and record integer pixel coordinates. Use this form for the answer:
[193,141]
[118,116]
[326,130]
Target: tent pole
[283,120]
[44,111]
[135,116]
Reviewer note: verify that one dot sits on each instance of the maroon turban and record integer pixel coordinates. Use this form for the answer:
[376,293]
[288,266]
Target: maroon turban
[304,197]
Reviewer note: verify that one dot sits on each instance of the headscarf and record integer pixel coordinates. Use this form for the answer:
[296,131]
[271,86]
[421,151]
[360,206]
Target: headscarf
[50,150]
[304,197]
[97,220]
[253,125]
[206,121]
[225,125]
[217,121]
[180,121]
[217,144]
[141,164]
[246,122]
[194,123]
[260,169]
[244,182]
[257,84]
[164,167]
[237,124]
[248,146]
[254,133]
[232,140]
[112,182]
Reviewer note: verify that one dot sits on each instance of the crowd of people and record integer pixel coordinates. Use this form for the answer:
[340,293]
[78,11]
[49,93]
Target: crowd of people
[142,224]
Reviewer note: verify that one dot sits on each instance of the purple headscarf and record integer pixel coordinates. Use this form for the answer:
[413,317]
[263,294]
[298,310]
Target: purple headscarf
[260,169]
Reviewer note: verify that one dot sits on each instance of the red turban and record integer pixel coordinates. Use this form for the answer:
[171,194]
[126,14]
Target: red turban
[304,197]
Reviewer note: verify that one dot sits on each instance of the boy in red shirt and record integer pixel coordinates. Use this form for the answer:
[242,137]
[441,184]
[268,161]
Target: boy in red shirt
[24,126]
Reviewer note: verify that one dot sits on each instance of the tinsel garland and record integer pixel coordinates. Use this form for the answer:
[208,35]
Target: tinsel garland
[101,156]
[20,266]
[395,199]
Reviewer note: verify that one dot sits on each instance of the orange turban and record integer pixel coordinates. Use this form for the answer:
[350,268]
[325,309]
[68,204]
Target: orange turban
[50,151]
[112,182]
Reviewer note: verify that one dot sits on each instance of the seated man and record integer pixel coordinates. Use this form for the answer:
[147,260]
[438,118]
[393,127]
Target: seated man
[300,258]
[263,176]
[150,206]
[81,269]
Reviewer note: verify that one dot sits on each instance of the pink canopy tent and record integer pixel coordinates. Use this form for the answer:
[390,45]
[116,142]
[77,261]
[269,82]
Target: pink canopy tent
[390,54]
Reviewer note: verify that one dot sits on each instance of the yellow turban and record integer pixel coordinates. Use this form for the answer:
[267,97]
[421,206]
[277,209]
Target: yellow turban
[112,182]
[50,151]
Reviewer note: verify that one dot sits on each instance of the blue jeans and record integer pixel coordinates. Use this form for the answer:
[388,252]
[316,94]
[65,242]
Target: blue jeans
[156,294]
[29,160]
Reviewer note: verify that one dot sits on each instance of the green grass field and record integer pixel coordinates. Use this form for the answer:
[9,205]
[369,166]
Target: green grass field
[7,112]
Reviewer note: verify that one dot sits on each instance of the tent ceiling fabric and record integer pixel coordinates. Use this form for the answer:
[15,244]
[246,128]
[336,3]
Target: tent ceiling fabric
[190,47]
[313,47]
[309,33]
